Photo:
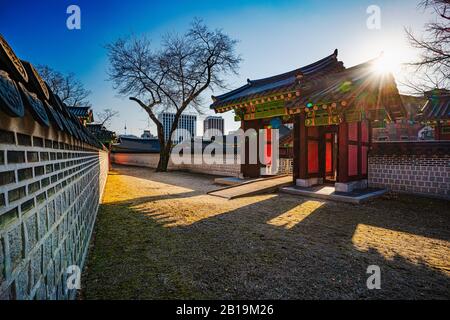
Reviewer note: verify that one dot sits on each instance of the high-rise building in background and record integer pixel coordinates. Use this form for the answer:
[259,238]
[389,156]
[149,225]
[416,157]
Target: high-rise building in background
[213,126]
[186,121]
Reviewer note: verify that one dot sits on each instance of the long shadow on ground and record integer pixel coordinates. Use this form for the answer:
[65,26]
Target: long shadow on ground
[246,254]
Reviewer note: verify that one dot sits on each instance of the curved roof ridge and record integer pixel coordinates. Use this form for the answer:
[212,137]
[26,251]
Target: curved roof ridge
[310,68]
[305,69]
[237,90]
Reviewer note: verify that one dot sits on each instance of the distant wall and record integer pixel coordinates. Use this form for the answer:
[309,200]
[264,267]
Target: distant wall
[136,159]
[198,165]
[50,188]
[411,167]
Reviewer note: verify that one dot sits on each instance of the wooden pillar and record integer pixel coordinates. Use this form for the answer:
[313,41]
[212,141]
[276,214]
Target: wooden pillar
[302,149]
[359,149]
[321,153]
[343,153]
[296,148]
[251,170]
[300,165]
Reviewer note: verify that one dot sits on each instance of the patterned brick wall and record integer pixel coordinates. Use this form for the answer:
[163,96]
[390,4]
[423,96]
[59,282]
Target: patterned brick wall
[49,195]
[52,176]
[423,172]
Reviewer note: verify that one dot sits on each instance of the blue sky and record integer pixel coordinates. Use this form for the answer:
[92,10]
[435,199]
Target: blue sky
[275,36]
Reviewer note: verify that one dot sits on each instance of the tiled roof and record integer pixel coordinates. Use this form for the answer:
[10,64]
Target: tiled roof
[80,111]
[359,85]
[136,145]
[21,87]
[437,106]
[286,135]
[100,132]
[278,83]
[284,131]
[413,104]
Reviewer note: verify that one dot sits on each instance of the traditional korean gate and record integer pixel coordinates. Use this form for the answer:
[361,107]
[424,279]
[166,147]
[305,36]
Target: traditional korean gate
[332,108]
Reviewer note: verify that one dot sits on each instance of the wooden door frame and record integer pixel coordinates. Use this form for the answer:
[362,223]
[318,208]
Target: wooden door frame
[334,130]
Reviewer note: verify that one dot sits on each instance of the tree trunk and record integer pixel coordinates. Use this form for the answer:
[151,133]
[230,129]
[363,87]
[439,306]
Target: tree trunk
[164,151]
[166,146]
[164,157]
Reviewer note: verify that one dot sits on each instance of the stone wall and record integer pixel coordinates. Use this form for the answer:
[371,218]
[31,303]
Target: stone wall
[198,164]
[416,167]
[50,188]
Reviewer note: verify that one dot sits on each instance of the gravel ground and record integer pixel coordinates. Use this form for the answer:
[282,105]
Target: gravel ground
[159,236]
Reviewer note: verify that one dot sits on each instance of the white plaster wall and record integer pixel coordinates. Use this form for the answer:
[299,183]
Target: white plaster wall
[198,164]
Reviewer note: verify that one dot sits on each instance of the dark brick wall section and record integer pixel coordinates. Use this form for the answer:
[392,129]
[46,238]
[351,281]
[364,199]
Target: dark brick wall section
[7,137]
[419,167]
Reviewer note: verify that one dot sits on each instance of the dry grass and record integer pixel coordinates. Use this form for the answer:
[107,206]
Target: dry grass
[159,236]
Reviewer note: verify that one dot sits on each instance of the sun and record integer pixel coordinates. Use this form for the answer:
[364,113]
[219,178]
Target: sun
[385,64]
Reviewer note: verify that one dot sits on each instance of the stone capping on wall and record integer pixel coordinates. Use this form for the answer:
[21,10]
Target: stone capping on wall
[430,148]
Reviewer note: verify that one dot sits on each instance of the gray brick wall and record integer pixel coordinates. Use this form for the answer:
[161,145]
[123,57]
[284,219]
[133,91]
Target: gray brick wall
[49,195]
[419,174]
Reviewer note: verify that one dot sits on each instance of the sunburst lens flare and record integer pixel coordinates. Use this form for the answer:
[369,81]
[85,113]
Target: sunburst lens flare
[384,64]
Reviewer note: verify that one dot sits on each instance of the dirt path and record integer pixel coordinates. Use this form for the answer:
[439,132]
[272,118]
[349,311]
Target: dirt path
[159,236]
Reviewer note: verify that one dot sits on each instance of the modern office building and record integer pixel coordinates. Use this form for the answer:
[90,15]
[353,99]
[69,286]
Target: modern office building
[213,126]
[186,121]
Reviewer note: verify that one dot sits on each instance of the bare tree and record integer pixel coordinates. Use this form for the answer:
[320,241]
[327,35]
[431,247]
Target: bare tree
[174,76]
[70,90]
[423,82]
[105,116]
[435,47]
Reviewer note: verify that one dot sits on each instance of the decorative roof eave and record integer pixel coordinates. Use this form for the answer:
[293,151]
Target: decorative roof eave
[286,95]
[339,106]
[333,106]
[435,122]
[257,97]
